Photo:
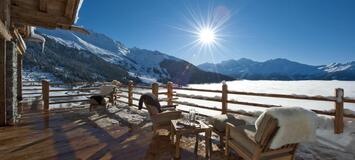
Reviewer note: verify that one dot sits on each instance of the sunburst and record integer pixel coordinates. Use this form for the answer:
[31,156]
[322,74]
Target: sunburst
[206,30]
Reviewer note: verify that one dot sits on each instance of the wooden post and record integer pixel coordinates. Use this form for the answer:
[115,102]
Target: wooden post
[169,94]
[45,95]
[224,97]
[2,81]
[19,77]
[339,111]
[130,93]
[4,36]
[155,89]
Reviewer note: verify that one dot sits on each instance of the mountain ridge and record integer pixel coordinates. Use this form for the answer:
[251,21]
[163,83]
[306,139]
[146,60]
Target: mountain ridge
[281,69]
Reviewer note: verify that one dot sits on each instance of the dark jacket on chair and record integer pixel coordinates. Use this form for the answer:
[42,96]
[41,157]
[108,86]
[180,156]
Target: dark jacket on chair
[149,99]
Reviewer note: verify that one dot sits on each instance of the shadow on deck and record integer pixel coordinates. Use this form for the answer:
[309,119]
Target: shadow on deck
[81,134]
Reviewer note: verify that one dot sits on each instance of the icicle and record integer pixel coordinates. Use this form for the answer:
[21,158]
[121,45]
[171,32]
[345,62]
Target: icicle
[37,38]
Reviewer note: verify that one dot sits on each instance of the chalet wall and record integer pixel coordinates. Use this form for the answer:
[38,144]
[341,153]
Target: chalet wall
[11,82]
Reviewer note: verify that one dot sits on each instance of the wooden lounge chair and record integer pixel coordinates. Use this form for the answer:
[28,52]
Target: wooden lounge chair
[160,118]
[107,96]
[252,144]
[219,123]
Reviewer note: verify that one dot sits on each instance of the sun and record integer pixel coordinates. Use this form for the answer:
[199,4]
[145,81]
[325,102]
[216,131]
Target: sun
[207,36]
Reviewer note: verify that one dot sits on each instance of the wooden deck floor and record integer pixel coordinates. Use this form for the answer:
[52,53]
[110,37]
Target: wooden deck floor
[83,135]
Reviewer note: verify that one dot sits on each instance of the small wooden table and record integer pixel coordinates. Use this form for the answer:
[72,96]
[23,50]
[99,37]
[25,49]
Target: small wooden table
[178,131]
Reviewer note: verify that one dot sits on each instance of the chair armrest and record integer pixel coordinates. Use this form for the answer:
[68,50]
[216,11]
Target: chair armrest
[166,116]
[230,125]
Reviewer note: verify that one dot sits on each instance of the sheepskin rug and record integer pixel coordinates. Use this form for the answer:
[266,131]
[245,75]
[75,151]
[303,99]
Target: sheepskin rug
[296,125]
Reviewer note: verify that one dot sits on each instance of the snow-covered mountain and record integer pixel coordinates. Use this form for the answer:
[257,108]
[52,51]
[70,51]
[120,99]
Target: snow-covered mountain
[140,63]
[281,69]
[338,67]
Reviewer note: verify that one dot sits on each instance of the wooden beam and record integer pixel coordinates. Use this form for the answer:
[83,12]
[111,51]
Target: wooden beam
[74,28]
[339,111]
[19,77]
[43,5]
[2,82]
[4,36]
[4,32]
[70,9]
[21,45]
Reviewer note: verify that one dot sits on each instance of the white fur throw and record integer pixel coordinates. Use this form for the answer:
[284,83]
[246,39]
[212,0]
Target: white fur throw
[296,125]
[106,90]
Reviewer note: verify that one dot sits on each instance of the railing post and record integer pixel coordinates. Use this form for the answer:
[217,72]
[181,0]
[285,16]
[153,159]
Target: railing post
[45,95]
[169,94]
[339,111]
[224,97]
[130,93]
[155,89]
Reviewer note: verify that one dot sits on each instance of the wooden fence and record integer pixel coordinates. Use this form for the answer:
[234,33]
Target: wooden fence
[129,91]
[172,98]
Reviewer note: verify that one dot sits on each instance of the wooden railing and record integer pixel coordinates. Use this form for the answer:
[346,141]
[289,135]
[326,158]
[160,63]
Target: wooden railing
[130,92]
[56,93]
[172,98]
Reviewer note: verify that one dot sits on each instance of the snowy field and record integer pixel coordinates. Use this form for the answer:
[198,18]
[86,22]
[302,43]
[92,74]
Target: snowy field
[309,88]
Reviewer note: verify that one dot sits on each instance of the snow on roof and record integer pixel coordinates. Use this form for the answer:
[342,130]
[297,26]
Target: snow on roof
[77,11]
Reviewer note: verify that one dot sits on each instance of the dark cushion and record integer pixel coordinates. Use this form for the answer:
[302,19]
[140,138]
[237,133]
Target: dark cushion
[97,100]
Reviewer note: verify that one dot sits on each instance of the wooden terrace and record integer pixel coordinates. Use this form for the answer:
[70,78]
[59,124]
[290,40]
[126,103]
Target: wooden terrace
[80,134]
[45,132]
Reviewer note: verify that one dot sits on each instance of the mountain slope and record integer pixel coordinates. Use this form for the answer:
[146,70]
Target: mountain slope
[71,64]
[102,58]
[281,69]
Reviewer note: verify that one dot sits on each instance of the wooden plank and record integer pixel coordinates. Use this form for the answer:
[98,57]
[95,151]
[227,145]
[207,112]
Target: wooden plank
[198,97]
[302,97]
[43,5]
[74,95]
[349,100]
[68,101]
[75,89]
[201,90]
[36,18]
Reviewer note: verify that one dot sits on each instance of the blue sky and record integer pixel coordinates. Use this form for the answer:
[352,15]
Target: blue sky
[308,31]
